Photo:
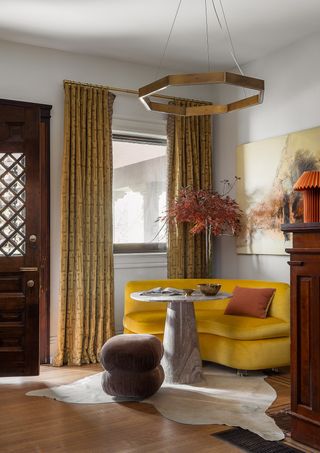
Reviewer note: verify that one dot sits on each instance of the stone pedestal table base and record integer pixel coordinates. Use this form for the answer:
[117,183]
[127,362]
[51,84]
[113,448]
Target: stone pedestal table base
[181,360]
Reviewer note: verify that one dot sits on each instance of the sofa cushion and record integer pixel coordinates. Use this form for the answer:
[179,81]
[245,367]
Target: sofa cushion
[213,322]
[253,302]
[145,322]
[240,327]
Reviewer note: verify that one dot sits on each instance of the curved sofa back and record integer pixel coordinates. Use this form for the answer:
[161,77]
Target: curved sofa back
[280,307]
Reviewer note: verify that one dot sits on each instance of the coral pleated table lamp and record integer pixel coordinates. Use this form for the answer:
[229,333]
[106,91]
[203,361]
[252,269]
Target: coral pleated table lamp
[309,184]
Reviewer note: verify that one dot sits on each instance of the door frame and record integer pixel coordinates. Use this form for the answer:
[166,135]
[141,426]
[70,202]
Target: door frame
[44,245]
[44,276]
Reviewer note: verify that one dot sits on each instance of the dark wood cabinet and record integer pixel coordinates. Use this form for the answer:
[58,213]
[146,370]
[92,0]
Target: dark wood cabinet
[305,332]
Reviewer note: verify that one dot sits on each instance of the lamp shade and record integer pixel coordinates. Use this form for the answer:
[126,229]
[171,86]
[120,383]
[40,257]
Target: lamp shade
[309,184]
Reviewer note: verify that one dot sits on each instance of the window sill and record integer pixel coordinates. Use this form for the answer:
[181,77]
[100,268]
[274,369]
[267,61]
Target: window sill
[140,260]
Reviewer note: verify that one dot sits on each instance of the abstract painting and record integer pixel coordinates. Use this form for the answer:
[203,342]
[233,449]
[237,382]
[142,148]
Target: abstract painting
[268,170]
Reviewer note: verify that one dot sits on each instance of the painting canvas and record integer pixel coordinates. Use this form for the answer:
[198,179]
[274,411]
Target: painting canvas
[268,170]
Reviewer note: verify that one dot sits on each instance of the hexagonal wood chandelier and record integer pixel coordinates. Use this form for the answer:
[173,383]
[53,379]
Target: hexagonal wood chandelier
[146,92]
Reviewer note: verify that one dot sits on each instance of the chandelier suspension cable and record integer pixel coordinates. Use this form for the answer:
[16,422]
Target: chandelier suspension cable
[225,31]
[227,34]
[228,38]
[216,13]
[168,39]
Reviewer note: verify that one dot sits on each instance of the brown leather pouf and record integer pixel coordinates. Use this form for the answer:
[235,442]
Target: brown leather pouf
[132,364]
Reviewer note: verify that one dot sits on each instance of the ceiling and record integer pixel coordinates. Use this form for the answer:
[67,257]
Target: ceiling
[137,30]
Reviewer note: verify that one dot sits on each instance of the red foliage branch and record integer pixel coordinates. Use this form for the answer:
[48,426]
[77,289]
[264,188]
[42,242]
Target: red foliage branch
[206,209]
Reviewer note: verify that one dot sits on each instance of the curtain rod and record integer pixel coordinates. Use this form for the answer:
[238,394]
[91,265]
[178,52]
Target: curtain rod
[134,92]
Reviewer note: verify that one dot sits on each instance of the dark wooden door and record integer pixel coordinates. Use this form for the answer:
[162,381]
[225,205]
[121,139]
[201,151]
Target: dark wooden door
[21,236]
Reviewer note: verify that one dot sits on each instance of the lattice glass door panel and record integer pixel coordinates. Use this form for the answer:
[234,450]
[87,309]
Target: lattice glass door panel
[12,204]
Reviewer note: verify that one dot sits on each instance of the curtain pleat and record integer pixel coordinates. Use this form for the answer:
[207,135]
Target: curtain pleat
[86,318]
[189,164]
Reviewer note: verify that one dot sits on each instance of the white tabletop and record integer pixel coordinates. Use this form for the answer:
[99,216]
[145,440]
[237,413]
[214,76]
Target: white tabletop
[167,298]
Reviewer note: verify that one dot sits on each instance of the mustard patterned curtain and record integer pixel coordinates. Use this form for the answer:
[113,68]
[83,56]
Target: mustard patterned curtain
[189,164]
[86,318]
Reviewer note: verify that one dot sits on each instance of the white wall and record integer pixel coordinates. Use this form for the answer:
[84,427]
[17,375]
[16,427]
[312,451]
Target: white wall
[35,74]
[292,103]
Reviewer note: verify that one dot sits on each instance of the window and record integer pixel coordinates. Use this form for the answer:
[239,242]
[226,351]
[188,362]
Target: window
[139,193]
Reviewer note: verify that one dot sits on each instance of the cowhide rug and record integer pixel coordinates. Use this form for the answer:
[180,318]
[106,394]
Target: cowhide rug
[221,397]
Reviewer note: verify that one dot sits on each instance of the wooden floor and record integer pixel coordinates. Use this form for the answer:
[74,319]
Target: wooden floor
[42,425]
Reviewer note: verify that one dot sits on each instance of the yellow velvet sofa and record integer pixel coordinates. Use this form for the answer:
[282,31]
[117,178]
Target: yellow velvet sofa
[240,342]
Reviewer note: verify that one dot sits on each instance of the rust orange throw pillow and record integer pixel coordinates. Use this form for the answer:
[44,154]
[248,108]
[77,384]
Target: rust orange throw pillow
[253,302]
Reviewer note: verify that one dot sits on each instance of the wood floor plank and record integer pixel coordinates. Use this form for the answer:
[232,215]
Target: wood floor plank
[41,425]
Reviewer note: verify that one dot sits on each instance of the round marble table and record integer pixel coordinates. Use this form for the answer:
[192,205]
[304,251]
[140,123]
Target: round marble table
[181,359]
